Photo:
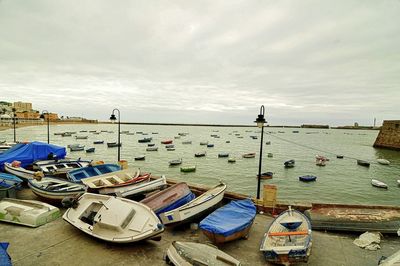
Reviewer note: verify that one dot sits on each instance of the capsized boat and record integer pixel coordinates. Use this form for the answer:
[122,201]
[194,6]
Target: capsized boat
[288,238]
[59,167]
[92,170]
[113,219]
[55,189]
[377,183]
[195,208]
[190,253]
[230,222]
[27,212]
[122,177]
[8,180]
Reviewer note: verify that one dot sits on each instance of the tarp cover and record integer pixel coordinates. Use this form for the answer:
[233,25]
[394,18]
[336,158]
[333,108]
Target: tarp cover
[231,218]
[27,153]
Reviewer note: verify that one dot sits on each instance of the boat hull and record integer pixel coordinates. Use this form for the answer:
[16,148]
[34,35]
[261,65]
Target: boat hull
[135,189]
[219,239]
[43,189]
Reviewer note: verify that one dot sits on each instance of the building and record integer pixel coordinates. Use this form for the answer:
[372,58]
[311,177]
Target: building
[389,135]
[51,116]
[22,107]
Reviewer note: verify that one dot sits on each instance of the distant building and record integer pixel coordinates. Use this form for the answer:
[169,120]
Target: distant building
[389,135]
[355,124]
[22,107]
[52,116]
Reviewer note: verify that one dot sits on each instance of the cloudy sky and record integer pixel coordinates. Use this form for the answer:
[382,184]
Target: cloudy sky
[327,62]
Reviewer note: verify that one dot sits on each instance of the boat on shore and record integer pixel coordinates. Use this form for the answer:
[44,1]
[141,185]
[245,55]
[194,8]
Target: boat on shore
[15,169]
[377,183]
[92,170]
[175,162]
[354,218]
[113,219]
[136,188]
[59,168]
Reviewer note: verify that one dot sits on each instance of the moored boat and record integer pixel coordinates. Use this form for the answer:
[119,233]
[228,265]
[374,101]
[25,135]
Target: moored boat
[307,178]
[270,155]
[140,158]
[377,183]
[81,137]
[223,155]
[289,164]
[383,161]
[363,163]
[113,144]
[249,155]
[77,147]
[210,145]
[203,142]
[169,146]
[114,179]
[175,162]
[200,154]
[267,175]
[145,140]
[152,149]
[187,142]
[187,169]
[168,141]
[93,170]
[231,160]
[90,150]
[98,142]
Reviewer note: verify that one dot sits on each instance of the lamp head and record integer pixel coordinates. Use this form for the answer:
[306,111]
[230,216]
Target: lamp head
[42,116]
[260,120]
[113,118]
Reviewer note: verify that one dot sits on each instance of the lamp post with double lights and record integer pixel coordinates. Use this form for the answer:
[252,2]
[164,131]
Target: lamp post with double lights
[113,118]
[260,123]
[42,116]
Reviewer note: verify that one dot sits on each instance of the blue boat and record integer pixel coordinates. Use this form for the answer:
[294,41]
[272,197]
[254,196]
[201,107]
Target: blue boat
[307,178]
[230,222]
[8,180]
[89,171]
[5,259]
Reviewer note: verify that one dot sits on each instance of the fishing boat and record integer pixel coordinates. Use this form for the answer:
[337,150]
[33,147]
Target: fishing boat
[289,164]
[363,163]
[175,162]
[169,146]
[198,207]
[383,161]
[98,142]
[354,218]
[191,253]
[223,155]
[152,149]
[136,188]
[93,170]
[200,154]
[57,167]
[307,178]
[113,219]
[15,169]
[27,212]
[210,145]
[170,198]
[231,160]
[8,180]
[168,141]
[81,137]
[140,158]
[113,144]
[288,239]
[55,189]
[249,155]
[187,169]
[204,143]
[230,222]
[145,140]
[77,147]
[90,150]
[267,175]
[377,183]
[114,179]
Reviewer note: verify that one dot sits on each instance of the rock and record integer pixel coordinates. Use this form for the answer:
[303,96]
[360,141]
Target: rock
[369,241]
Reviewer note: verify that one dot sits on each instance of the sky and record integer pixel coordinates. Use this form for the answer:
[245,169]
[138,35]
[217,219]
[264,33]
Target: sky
[216,62]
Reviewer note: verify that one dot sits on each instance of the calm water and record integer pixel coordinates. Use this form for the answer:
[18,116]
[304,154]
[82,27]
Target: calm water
[340,181]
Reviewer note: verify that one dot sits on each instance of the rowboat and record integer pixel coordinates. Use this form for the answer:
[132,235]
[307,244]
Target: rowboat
[200,154]
[191,253]
[231,160]
[170,149]
[8,180]
[307,178]
[339,156]
[145,140]
[289,164]
[288,239]
[24,174]
[363,163]
[354,218]
[270,155]
[27,212]
[187,169]
[152,149]
[223,154]
[210,145]
[204,143]
[150,144]
[98,142]
[168,141]
[93,170]
[267,175]
[195,208]
[140,158]
[320,160]
[175,162]
[81,137]
[383,161]
[230,222]
[90,150]
[58,167]
[135,188]
[113,219]
[249,155]
[113,144]
[77,147]
[55,189]
[268,143]
[117,178]
[170,198]
[170,146]
[187,142]
[377,183]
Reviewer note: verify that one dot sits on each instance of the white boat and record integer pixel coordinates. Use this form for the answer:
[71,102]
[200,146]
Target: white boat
[55,189]
[377,183]
[393,260]
[118,178]
[135,189]
[383,161]
[398,182]
[59,167]
[21,172]
[27,212]
[113,219]
[200,205]
[152,149]
[191,253]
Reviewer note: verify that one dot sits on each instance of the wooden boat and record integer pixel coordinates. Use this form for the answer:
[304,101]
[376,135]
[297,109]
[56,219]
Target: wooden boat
[187,169]
[270,155]
[135,189]
[267,175]
[175,162]
[170,146]
[231,160]
[89,171]
[24,174]
[113,219]
[249,155]
[98,142]
[200,154]
[169,199]
[118,178]
[113,144]
[223,155]
[140,158]
[230,222]
[152,149]
[90,150]
[289,164]
[339,156]
[288,239]
[363,163]
[187,142]
[145,140]
[383,161]
[377,183]
[27,212]
[307,178]
[55,189]
[195,208]
[354,218]
[168,141]
[81,137]
[58,167]
[190,253]
[204,143]
[8,180]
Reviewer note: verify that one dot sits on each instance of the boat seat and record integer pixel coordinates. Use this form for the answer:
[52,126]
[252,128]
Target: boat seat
[114,214]
[69,187]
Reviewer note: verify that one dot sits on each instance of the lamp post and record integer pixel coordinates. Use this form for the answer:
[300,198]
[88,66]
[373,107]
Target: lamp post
[48,123]
[113,118]
[260,123]
[14,117]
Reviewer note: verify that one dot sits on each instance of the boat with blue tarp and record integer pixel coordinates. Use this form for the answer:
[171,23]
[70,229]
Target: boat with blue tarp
[89,171]
[9,180]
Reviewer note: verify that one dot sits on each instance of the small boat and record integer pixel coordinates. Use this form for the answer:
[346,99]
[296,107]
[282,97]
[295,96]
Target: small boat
[170,149]
[188,169]
[130,133]
[113,219]
[9,180]
[140,158]
[170,146]
[135,189]
[145,140]
[289,164]
[363,163]
[228,141]
[168,141]
[288,239]
[195,208]
[27,212]
[81,137]
[223,155]
[187,142]
[231,160]
[204,143]
[169,199]
[57,167]
[116,179]
[139,132]
[66,134]
[151,144]
[268,143]
[124,131]
[98,142]
[383,161]
[77,147]
[254,137]
[267,175]
[307,178]
[320,160]
[240,215]
[55,189]
[152,149]
[175,162]
[15,169]
[191,253]
[270,155]
[113,144]
[5,258]
[339,156]
[90,150]
[249,155]
[200,154]
[295,131]
[377,183]
[210,145]
[93,170]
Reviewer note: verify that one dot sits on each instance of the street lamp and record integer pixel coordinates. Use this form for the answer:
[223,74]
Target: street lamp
[14,117]
[48,123]
[113,118]
[260,123]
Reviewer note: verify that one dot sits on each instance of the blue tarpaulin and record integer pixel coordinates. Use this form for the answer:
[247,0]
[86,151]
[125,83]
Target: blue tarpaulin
[27,153]
[231,218]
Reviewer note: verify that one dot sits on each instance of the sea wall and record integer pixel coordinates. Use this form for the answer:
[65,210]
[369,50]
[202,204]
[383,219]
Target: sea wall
[389,135]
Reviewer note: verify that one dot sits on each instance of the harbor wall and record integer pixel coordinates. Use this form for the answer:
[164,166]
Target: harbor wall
[389,135]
